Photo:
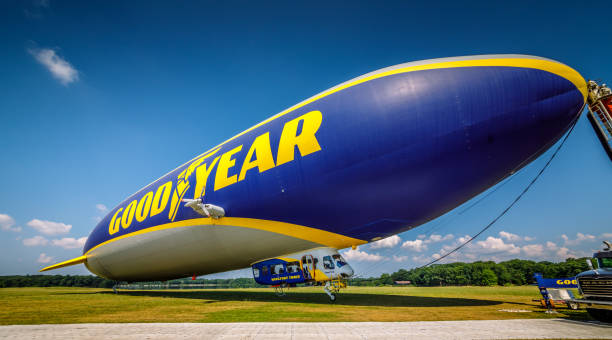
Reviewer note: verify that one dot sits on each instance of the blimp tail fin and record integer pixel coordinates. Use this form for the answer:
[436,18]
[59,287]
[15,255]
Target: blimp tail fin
[77,260]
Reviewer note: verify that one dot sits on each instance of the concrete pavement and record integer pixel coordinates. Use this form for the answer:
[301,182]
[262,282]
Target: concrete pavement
[482,329]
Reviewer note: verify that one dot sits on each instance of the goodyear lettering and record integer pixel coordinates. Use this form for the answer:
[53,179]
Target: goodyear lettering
[141,208]
[263,152]
[161,198]
[144,206]
[297,133]
[306,141]
[567,282]
[128,215]
[182,183]
[202,174]
[112,226]
[225,163]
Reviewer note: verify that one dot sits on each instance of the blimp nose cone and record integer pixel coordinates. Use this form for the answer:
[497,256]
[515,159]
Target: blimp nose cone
[459,126]
[548,106]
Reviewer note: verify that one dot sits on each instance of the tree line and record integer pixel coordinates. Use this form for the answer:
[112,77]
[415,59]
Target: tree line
[98,282]
[55,281]
[513,272]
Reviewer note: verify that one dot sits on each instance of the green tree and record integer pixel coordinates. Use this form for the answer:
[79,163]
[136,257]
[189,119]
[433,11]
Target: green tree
[488,277]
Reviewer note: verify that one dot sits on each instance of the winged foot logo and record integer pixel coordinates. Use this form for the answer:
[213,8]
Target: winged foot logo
[259,155]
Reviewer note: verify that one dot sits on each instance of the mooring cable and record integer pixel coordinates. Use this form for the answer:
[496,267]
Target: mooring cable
[506,181]
[511,204]
[440,225]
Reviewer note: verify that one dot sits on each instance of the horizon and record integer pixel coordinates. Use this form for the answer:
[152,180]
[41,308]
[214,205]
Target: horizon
[101,100]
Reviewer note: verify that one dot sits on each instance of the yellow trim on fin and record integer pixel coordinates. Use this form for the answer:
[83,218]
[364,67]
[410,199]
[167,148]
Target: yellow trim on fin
[314,235]
[77,260]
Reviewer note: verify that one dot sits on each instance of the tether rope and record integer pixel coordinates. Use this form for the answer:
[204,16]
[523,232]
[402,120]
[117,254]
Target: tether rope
[518,198]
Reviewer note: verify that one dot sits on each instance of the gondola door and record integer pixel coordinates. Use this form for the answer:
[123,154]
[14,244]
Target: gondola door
[308,267]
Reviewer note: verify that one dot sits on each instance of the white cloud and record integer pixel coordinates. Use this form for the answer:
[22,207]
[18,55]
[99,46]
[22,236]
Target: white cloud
[584,237]
[463,239]
[494,244]
[492,248]
[49,227]
[416,245]
[422,236]
[472,257]
[438,238]
[101,208]
[533,250]
[388,242]
[70,242]
[59,67]
[551,251]
[7,223]
[564,253]
[422,259]
[43,258]
[500,248]
[580,237]
[35,241]
[399,258]
[606,235]
[509,236]
[529,239]
[358,255]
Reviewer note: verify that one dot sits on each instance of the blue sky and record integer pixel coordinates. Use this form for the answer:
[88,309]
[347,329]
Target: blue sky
[99,99]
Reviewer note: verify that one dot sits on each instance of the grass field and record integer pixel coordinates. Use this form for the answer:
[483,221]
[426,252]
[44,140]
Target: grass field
[83,305]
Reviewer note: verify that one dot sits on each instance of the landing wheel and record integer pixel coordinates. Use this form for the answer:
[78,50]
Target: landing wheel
[572,305]
[280,290]
[602,315]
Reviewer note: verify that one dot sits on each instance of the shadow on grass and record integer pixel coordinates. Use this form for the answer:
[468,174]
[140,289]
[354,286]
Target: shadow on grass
[574,315]
[348,299]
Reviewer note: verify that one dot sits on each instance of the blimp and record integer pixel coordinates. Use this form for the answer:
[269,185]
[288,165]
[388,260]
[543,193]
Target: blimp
[372,157]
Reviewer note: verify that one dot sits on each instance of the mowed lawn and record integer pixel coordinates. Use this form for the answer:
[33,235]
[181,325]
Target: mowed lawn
[84,305]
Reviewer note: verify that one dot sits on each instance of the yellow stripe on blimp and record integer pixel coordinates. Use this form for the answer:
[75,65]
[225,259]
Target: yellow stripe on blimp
[319,236]
[78,260]
[551,66]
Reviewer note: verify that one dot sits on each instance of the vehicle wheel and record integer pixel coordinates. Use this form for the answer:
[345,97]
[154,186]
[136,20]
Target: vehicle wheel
[572,305]
[602,315]
[332,297]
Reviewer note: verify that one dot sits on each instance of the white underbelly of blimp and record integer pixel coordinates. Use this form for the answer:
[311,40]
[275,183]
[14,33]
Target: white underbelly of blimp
[186,251]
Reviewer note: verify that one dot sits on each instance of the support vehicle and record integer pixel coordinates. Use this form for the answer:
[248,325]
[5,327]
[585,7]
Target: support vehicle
[595,285]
